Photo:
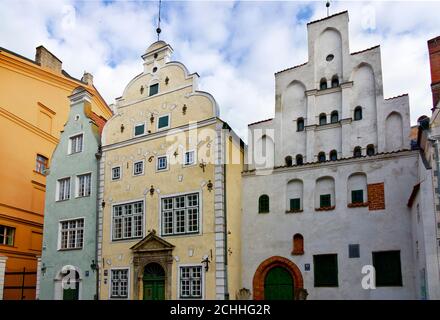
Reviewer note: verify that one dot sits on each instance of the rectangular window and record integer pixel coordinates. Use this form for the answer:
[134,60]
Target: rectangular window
[353,251]
[190,282]
[154,89]
[357,196]
[162,163]
[163,122]
[388,268]
[180,214]
[138,168]
[128,220]
[116,173]
[84,185]
[325,200]
[63,189]
[76,144]
[7,235]
[295,204]
[72,234]
[42,163]
[325,267]
[189,158]
[139,129]
[119,283]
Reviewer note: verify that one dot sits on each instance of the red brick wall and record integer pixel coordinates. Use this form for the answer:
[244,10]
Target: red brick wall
[376,196]
[434,57]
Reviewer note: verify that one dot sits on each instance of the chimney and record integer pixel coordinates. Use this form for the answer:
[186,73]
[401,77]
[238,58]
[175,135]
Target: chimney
[434,58]
[46,59]
[87,78]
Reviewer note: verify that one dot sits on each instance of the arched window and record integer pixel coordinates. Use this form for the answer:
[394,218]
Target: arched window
[294,196]
[263,204]
[323,84]
[333,155]
[299,159]
[357,113]
[298,244]
[334,117]
[322,119]
[288,161]
[357,190]
[325,193]
[357,152]
[335,81]
[370,150]
[300,124]
[321,156]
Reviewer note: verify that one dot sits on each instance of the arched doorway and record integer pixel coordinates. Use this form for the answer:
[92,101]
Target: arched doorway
[71,286]
[278,284]
[277,276]
[154,282]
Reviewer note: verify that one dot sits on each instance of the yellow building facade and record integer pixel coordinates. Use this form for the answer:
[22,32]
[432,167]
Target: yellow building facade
[34,106]
[170,190]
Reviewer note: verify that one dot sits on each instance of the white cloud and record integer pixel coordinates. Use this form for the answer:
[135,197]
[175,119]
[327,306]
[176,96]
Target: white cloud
[236,47]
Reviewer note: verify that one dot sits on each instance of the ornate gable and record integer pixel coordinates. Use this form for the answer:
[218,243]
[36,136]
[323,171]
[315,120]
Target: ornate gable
[151,243]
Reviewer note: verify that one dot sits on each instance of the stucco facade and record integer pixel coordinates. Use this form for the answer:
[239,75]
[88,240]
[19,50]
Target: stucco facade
[335,170]
[69,243]
[162,115]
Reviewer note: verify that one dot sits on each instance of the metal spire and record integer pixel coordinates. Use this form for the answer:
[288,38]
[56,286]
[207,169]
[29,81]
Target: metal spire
[158,30]
[328,6]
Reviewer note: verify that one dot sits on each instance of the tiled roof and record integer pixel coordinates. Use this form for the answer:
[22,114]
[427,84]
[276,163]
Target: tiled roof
[98,120]
[251,124]
[399,96]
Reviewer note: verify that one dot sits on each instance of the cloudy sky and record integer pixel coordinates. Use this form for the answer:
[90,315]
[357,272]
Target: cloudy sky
[236,47]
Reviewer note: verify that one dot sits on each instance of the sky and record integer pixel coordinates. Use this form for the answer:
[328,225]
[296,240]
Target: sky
[235,46]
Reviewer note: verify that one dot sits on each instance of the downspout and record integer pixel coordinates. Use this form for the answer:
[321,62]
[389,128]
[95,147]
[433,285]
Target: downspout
[98,156]
[225,232]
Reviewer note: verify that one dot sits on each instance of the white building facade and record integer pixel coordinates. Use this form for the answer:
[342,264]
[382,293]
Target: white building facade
[329,177]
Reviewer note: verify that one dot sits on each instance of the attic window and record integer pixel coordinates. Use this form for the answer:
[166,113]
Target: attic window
[329,57]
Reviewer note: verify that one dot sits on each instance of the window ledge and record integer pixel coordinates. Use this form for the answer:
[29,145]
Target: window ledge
[357,205]
[297,253]
[39,173]
[325,208]
[294,211]
[70,249]
[263,212]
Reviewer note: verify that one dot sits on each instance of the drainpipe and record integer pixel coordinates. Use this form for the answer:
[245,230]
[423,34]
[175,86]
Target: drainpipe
[98,156]
[225,232]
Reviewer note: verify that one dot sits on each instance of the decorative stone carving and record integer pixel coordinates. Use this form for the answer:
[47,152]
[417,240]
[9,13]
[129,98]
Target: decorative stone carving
[243,294]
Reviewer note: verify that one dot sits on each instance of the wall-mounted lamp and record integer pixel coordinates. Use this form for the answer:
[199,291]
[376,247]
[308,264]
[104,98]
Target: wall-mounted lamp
[103,204]
[122,128]
[167,80]
[176,153]
[142,89]
[209,185]
[94,266]
[152,118]
[151,190]
[202,165]
[206,263]
[184,108]
[43,269]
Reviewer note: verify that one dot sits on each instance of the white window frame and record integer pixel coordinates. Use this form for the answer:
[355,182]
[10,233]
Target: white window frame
[77,185]
[60,229]
[57,189]
[169,122]
[137,125]
[157,163]
[194,158]
[143,168]
[200,232]
[120,173]
[128,283]
[203,279]
[69,148]
[143,221]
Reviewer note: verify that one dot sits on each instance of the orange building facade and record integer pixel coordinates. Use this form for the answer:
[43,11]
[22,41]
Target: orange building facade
[34,107]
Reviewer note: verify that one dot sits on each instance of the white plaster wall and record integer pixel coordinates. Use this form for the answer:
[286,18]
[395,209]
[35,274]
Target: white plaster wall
[267,235]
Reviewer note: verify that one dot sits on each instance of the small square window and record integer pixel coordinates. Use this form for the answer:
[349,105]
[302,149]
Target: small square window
[76,144]
[138,168]
[325,267]
[353,251]
[42,164]
[388,268]
[295,204]
[189,158]
[154,89]
[139,129]
[325,200]
[357,196]
[162,163]
[116,173]
[7,235]
[164,122]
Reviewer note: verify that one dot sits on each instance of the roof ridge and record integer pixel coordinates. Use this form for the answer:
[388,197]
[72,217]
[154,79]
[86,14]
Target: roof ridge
[294,67]
[250,124]
[371,48]
[333,15]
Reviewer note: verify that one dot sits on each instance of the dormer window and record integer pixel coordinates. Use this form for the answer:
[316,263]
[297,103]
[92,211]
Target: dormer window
[335,81]
[322,119]
[154,89]
[323,84]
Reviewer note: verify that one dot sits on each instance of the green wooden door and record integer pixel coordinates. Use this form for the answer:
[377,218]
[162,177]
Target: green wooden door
[71,292]
[278,285]
[154,282]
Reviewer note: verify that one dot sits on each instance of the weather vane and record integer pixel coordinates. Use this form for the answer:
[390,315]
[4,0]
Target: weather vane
[158,30]
[327,5]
